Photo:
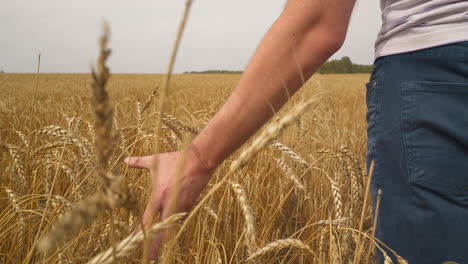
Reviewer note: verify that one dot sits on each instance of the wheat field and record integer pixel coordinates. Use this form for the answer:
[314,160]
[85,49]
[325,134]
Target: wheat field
[301,199]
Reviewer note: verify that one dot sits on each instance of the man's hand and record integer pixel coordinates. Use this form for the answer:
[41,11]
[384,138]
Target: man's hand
[163,168]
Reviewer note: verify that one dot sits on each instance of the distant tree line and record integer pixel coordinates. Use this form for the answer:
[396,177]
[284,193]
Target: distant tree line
[345,65]
[213,72]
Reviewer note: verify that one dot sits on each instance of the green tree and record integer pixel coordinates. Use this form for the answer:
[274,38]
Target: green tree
[344,65]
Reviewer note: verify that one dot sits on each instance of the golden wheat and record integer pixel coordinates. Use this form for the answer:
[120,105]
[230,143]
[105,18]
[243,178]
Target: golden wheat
[59,167]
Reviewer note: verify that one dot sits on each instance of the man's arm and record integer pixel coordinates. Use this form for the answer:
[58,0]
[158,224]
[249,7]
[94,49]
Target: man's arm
[304,36]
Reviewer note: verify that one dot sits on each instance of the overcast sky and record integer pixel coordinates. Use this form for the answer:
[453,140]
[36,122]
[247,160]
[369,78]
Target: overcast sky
[220,34]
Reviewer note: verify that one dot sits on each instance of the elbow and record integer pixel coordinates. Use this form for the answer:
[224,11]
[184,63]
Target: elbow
[336,42]
[331,42]
[321,45]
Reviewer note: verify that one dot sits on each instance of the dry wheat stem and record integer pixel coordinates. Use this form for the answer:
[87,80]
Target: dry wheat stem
[167,77]
[280,244]
[162,97]
[334,222]
[376,219]
[335,254]
[379,244]
[131,242]
[33,103]
[358,249]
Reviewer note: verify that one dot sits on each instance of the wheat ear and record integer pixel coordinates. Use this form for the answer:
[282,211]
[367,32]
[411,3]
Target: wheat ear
[57,131]
[112,194]
[17,163]
[150,99]
[291,153]
[47,147]
[83,213]
[290,174]
[14,201]
[335,188]
[247,210]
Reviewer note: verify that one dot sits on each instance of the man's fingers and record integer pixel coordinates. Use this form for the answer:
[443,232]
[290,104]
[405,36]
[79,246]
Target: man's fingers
[155,244]
[159,237]
[152,208]
[139,162]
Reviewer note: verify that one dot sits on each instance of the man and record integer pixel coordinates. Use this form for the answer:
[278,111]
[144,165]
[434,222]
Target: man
[416,99]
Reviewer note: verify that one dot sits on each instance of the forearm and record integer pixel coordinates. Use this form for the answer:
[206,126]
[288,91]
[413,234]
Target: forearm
[289,52]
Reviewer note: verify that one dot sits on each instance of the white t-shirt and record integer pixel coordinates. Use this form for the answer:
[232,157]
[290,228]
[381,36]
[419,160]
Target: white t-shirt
[409,25]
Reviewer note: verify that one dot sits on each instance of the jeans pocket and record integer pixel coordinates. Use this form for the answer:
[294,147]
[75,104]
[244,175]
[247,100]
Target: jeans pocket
[435,134]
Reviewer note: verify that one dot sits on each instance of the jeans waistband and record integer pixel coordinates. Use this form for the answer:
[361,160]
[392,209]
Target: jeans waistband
[450,51]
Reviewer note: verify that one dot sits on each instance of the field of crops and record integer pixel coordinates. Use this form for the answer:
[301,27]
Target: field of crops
[299,200]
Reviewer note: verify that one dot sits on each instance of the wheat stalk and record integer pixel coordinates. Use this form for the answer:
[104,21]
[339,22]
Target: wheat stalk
[334,222]
[280,244]
[131,242]
[112,195]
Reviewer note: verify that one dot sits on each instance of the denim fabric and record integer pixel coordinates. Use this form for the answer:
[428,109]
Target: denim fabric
[418,138]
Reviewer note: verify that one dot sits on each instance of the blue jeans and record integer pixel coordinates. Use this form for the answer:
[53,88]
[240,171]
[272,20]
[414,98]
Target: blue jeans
[418,138]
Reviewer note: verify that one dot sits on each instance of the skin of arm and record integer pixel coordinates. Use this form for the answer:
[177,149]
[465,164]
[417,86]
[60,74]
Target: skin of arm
[303,37]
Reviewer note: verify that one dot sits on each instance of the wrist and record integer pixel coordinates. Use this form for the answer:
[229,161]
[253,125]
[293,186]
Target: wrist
[201,161]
